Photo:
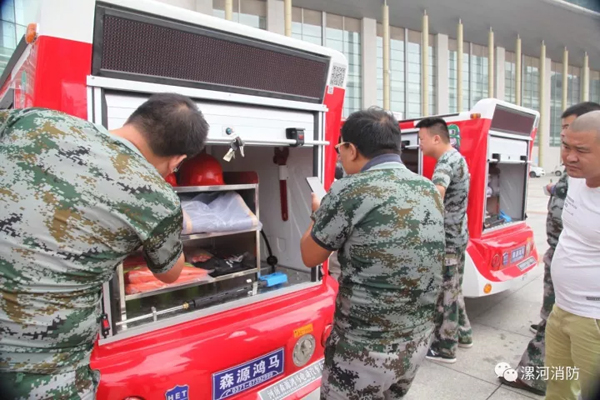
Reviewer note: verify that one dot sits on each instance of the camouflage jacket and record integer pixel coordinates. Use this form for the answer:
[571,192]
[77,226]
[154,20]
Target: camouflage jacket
[74,201]
[554,223]
[387,225]
[452,173]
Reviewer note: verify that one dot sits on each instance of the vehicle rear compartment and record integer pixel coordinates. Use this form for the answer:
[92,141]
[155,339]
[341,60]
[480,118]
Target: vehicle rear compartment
[236,264]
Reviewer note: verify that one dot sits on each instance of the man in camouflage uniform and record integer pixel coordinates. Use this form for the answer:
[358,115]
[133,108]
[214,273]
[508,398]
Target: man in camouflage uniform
[75,200]
[533,357]
[386,224]
[451,177]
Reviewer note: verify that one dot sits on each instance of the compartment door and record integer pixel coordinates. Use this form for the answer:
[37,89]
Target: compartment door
[258,126]
[509,150]
[411,153]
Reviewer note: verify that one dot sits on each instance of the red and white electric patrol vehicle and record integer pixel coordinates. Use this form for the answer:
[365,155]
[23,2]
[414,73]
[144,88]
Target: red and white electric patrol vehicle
[496,138]
[273,103]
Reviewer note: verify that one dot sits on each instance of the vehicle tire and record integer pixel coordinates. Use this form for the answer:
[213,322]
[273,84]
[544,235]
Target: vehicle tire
[532,175]
[558,173]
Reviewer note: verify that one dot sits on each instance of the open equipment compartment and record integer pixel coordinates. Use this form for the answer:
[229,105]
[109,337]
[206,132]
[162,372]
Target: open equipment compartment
[255,176]
[411,153]
[509,148]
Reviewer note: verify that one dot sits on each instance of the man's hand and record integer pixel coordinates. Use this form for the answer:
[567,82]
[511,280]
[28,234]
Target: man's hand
[312,253]
[316,202]
[171,275]
[442,190]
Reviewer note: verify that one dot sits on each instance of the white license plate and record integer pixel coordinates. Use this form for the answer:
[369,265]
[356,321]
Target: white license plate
[526,264]
[293,383]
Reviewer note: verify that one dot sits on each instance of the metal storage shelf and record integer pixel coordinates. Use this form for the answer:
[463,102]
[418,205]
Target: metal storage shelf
[196,236]
[186,285]
[118,316]
[221,188]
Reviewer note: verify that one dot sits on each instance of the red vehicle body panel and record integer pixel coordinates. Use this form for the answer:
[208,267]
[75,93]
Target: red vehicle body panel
[148,365]
[189,353]
[54,76]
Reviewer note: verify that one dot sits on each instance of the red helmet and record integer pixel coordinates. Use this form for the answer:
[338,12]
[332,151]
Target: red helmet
[202,170]
[171,179]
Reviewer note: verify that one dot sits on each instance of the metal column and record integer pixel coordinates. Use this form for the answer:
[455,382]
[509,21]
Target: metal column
[565,86]
[518,71]
[491,64]
[459,66]
[425,66]
[585,92]
[228,10]
[287,10]
[542,125]
[386,57]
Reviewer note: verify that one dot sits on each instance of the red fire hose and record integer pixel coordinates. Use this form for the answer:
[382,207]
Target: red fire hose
[280,158]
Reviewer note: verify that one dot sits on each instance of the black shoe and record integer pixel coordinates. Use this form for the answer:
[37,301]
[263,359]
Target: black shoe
[435,356]
[534,328]
[519,384]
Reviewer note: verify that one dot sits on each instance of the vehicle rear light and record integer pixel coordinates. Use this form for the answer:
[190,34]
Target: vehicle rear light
[475,116]
[496,260]
[529,247]
[487,288]
[326,333]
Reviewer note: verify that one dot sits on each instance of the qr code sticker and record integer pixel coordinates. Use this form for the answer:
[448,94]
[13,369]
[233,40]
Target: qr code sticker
[337,76]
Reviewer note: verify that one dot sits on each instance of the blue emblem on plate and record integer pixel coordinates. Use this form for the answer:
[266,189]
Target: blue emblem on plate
[178,393]
[248,375]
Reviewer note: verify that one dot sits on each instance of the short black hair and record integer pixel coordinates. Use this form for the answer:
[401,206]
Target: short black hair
[374,132]
[580,109]
[437,126]
[172,124]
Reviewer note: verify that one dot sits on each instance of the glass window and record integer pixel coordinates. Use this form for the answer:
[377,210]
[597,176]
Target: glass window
[397,86]
[595,86]
[573,95]
[531,83]
[478,74]
[452,74]
[574,88]
[432,76]
[530,91]
[25,11]
[380,68]
[307,25]
[556,79]
[7,11]
[247,12]
[343,34]
[510,77]
[466,71]
[14,17]
[413,53]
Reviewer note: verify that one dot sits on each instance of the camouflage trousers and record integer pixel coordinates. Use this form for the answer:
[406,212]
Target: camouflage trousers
[533,357]
[451,322]
[80,384]
[363,371]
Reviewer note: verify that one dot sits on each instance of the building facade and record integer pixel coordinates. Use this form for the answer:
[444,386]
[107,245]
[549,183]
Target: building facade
[540,65]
